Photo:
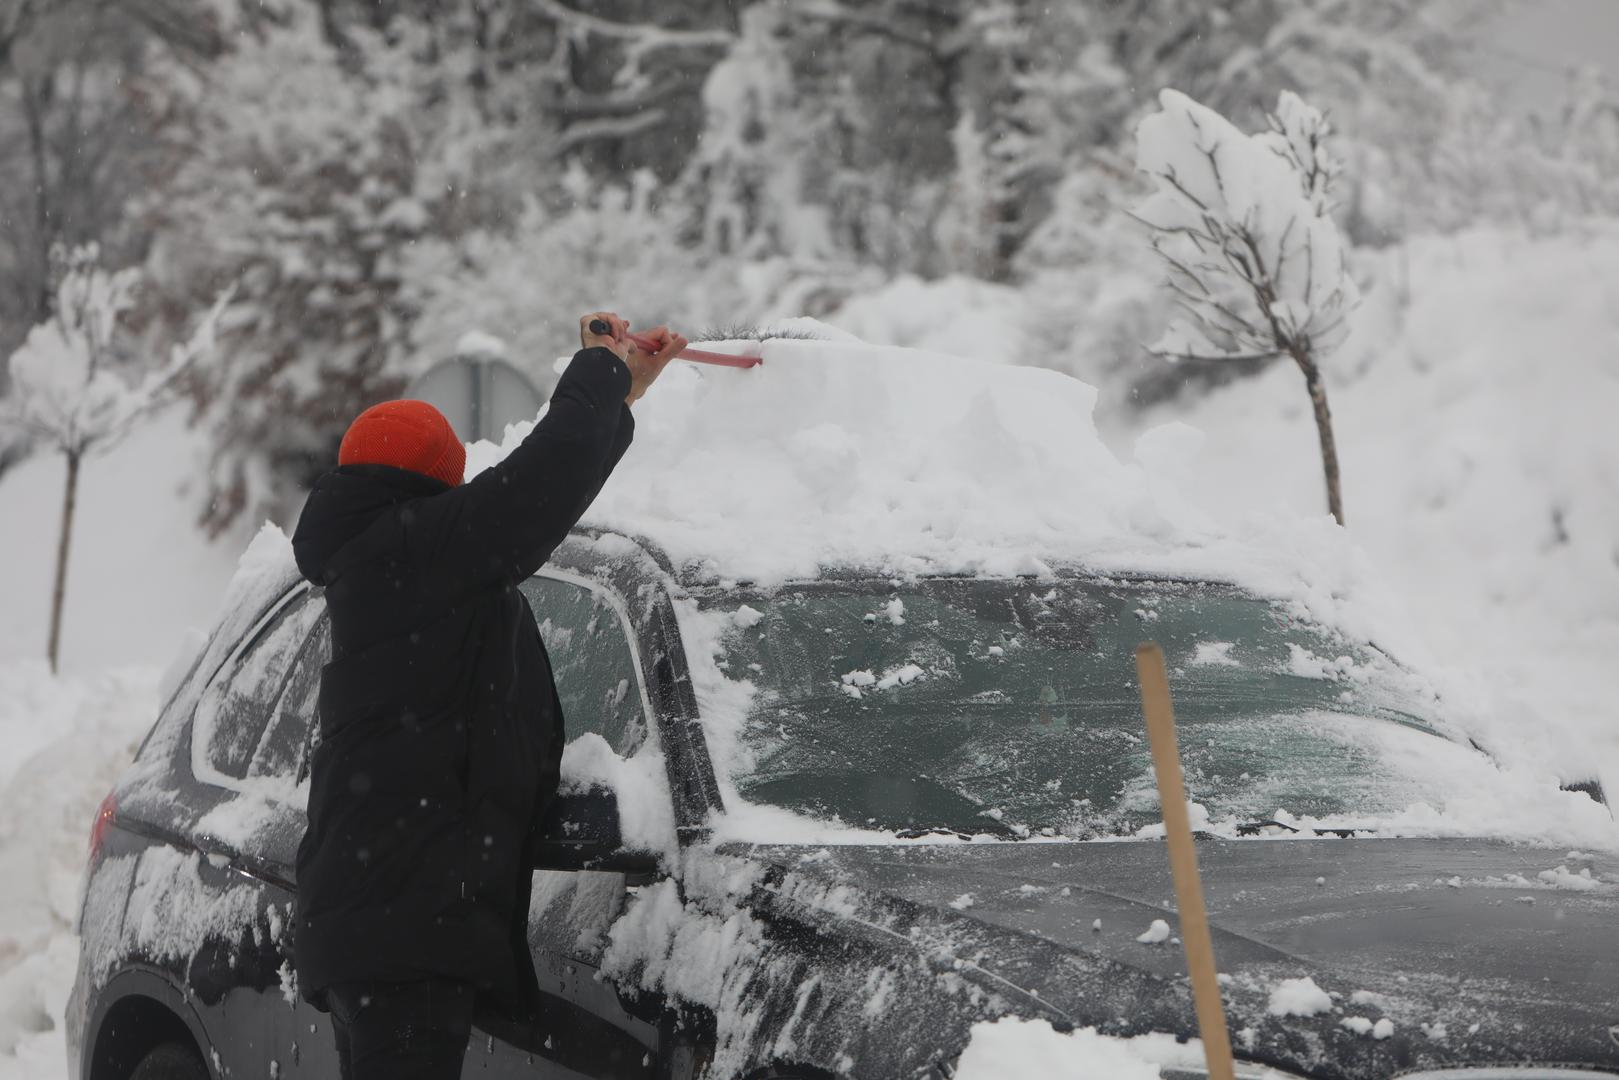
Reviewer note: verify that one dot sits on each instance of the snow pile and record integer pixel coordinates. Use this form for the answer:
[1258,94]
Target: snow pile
[1156,934]
[1015,1049]
[1298,997]
[1383,1028]
[957,315]
[1474,404]
[640,783]
[63,742]
[837,452]
[1011,1048]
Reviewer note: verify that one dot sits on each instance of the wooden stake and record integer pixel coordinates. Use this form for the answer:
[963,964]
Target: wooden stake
[1194,917]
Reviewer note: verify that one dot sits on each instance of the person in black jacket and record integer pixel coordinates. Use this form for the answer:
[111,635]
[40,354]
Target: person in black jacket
[440,728]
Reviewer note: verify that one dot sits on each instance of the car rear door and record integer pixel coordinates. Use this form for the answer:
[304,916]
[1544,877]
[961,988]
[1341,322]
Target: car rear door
[250,818]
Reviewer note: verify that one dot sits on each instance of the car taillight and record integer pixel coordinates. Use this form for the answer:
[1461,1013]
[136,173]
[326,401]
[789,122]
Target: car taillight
[104,819]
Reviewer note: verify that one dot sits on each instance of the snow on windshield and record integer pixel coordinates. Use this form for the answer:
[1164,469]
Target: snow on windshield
[861,711]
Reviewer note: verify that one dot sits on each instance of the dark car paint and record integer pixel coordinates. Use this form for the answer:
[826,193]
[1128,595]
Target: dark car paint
[1017,951]
[1540,978]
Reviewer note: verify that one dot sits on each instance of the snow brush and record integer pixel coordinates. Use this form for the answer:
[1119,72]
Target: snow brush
[701,356]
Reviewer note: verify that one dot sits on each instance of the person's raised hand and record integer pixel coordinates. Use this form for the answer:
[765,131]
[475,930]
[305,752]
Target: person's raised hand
[645,367]
[615,341]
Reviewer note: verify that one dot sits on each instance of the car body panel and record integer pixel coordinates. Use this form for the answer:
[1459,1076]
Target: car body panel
[1446,931]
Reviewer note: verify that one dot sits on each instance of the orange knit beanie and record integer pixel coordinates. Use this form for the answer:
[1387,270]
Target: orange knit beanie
[407,435]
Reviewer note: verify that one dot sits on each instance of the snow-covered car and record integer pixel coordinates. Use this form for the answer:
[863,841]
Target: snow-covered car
[1008,723]
[855,821]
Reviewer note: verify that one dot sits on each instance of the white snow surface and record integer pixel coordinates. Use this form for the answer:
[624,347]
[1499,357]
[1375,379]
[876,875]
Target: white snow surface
[1298,997]
[843,453]
[1473,406]
[1156,934]
[140,572]
[63,742]
[840,452]
[1015,1049]
[1011,1048]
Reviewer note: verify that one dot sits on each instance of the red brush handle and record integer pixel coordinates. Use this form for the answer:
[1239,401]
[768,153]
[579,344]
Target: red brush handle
[701,356]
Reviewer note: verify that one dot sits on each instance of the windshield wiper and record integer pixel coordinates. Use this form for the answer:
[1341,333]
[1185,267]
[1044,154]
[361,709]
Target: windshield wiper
[1252,828]
[931,830]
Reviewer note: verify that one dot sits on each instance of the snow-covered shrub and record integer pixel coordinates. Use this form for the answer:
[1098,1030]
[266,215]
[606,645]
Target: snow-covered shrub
[1255,261]
[528,282]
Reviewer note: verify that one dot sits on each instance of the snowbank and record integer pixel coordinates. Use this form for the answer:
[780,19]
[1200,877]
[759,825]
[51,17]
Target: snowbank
[63,742]
[1474,405]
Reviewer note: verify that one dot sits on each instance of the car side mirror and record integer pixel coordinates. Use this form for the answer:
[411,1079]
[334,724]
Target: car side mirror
[581,832]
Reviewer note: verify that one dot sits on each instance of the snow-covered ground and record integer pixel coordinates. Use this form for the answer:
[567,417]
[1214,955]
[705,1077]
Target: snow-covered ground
[140,572]
[63,741]
[1478,477]
[141,576]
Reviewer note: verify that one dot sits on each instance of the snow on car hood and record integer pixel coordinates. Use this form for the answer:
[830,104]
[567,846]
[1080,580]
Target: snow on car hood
[1472,950]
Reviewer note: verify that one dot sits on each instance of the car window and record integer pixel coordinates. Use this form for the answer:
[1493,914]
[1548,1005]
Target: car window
[280,754]
[591,660]
[230,717]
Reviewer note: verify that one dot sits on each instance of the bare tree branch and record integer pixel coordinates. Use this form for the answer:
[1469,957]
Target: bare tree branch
[655,35]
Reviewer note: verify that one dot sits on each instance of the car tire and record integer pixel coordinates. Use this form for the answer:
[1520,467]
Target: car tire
[171,1061]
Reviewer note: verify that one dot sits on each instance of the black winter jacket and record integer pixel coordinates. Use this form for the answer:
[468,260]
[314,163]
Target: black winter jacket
[440,728]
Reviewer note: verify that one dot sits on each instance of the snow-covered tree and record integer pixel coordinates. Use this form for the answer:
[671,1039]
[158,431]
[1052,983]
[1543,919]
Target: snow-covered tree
[81,124]
[527,281]
[1255,260]
[745,182]
[307,193]
[76,389]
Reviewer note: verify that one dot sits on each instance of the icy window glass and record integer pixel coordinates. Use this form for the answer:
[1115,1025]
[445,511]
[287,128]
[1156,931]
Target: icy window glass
[591,660]
[231,715]
[286,741]
[1011,706]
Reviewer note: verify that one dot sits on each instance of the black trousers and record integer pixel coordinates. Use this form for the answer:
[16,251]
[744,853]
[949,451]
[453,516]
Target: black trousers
[401,1031]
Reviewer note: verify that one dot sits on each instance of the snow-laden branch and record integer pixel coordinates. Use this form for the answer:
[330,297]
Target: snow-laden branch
[1242,223]
[70,388]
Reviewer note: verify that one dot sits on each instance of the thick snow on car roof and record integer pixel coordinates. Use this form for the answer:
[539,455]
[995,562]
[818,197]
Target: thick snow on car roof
[835,452]
[838,453]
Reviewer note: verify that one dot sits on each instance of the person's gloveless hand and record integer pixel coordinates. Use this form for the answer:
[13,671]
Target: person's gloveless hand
[646,367]
[615,341]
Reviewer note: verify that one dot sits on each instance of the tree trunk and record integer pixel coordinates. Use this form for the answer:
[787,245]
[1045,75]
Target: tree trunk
[59,593]
[1323,427]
